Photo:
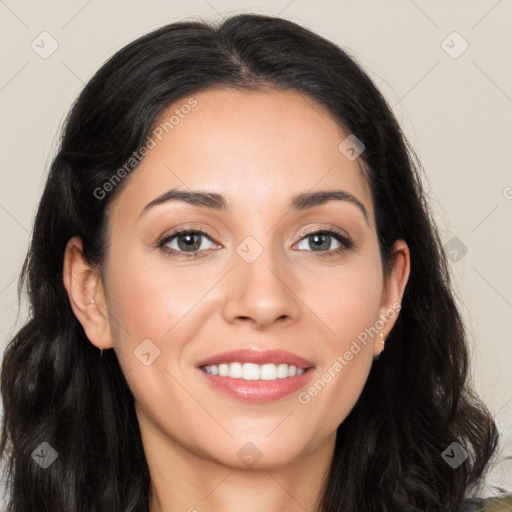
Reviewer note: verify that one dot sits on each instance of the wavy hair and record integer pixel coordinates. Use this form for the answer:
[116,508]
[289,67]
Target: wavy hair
[417,400]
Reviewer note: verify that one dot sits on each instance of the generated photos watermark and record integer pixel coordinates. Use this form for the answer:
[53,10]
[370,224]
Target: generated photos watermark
[151,142]
[304,397]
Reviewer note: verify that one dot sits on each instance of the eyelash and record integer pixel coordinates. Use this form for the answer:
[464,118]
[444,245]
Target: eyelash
[346,243]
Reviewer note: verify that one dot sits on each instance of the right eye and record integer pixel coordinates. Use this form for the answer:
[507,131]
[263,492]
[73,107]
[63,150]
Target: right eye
[189,243]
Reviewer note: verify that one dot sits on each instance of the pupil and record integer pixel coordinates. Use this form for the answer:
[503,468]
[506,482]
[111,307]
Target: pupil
[189,243]
[316,237]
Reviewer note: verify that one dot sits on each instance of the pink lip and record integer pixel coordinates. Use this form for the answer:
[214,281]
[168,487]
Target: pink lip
[258,391]
[253,355]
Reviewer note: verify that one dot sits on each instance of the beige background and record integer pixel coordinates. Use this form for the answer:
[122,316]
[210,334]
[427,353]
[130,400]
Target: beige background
[457,112]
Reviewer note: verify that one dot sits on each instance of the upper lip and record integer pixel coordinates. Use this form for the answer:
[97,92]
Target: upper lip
[254,355]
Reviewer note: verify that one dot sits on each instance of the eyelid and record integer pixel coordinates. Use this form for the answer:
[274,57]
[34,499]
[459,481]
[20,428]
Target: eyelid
[183,230]
[324,229]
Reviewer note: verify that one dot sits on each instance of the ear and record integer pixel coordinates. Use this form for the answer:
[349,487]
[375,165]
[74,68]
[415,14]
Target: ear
[86,294]
[393,291]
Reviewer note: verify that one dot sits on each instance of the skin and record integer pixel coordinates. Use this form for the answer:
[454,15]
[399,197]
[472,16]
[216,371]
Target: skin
[259,149]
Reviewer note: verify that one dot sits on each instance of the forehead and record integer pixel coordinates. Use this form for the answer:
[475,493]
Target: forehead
[257,148]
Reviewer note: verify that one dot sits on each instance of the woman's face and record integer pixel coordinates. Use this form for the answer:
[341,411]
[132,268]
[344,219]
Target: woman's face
[258,279]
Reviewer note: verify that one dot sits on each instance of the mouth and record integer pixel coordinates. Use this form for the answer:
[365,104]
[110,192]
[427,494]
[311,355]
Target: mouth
[256,376]
[252,371]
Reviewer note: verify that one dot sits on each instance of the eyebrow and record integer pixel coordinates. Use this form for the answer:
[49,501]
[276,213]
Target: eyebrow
[220,202]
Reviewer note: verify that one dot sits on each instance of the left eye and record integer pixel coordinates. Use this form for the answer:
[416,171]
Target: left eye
[187,241]
[321,240]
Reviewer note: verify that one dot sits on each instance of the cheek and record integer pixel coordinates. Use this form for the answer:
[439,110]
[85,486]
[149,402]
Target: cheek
[346,301]
[346,304]
[348,308]
[151,309]
[149,300]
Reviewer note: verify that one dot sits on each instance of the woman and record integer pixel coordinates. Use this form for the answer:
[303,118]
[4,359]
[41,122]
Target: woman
[250,373]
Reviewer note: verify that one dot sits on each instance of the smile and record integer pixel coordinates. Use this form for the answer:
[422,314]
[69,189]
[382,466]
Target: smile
[252,371]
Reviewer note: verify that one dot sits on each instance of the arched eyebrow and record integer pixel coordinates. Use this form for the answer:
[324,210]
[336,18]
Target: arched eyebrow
[220,202]
[311,199]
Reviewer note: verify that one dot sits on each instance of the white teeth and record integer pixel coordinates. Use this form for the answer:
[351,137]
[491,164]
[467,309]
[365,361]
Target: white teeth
[252,371]
[268,372]
[235,370]
[282,371]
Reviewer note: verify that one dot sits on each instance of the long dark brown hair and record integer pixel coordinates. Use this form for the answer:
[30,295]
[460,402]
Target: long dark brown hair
[417,400]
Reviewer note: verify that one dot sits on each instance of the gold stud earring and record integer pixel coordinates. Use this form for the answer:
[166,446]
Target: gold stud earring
[382,338]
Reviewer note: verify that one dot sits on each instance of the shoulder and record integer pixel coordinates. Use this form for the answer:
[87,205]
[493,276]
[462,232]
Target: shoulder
[502,504]
[473,505]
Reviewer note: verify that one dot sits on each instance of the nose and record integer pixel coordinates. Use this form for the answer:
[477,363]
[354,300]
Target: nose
[261,292]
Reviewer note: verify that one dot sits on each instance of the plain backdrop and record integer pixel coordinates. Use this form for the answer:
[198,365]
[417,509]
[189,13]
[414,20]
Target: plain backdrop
[444,67]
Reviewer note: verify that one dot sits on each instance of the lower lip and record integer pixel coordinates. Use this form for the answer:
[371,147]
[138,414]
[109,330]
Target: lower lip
[258,390]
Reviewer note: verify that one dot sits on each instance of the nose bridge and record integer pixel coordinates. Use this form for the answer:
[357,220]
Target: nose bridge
[261,283]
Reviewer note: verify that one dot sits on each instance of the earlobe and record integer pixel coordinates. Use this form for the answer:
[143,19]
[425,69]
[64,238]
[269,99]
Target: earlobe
[86,295]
